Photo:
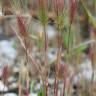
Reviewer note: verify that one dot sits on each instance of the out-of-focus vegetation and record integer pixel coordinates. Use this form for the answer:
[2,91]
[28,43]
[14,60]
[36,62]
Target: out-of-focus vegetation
[53,45]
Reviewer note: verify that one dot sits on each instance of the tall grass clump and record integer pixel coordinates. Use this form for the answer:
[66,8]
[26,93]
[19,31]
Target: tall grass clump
[68,45]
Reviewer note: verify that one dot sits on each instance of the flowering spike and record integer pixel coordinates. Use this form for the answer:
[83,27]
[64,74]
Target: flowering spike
[58,6]
[21,25]
[42,12]
[73,8]
[5,73]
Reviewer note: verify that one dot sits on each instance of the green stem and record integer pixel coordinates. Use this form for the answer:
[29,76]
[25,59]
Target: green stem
[26,50]
[46,45]
[92,77]
[69,34]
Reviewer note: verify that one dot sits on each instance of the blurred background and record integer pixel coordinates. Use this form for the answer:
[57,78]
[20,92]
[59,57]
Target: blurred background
[13,57]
